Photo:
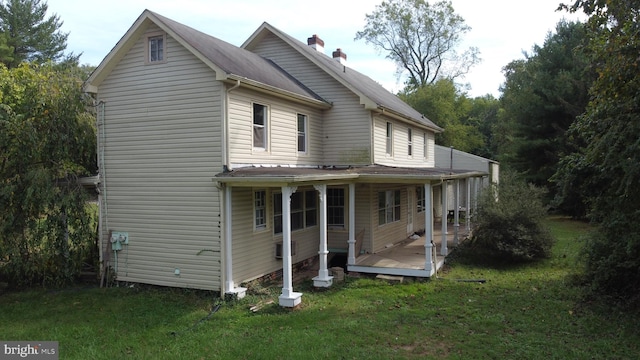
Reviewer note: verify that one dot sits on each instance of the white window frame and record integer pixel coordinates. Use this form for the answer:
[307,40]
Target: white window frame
[389,139]
[259,210]
[389,207]
[425,148]
[336,208]
[148,55]
[306,212]
[409,143]
[259,128]
[303,134]
[420,198]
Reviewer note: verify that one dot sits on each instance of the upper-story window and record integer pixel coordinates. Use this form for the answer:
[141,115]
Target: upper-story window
[259,127]
[425,144]
[303,130]
[409,143]
[156,48]
[389,143]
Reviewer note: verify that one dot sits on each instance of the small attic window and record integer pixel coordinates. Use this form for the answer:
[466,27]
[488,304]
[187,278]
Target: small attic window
[156,48]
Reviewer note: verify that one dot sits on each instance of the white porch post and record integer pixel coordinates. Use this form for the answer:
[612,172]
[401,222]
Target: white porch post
[456,212]
[288,298]
[467,219]
[323,279]
[476,196]
[230,288]
[428,230]
[351,260]
[445,212]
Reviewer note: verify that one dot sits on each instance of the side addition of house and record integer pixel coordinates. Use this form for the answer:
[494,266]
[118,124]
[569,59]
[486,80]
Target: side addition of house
[220,164]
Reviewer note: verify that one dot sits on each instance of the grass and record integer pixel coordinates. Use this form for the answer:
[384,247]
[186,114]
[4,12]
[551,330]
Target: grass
[523,312]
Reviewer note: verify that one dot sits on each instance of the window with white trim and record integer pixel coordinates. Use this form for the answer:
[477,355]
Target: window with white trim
[420,198]
[260,209]
[389,139]
[304,210]
[155,48]
[302,133]
[425,150]
[409,143]
[388,206]
[335,208]
[260,123]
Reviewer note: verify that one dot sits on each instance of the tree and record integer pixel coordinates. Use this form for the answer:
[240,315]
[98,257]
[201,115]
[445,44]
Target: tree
[609,131]
[6,52]
[421,39]
[47,140]
[542,96]
[32,37]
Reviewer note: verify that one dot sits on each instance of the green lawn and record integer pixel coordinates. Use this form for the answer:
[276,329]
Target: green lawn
[526,312]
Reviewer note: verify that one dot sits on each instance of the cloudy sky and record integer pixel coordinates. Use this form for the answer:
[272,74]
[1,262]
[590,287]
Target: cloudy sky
[501,29]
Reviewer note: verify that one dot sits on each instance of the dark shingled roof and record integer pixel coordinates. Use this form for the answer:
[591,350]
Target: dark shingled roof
[237,61]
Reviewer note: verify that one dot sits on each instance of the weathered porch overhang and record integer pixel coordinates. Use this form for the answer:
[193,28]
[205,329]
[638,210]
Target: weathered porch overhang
[282,176]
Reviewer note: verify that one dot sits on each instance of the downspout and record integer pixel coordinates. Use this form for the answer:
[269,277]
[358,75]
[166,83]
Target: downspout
[102,136]
[225,128]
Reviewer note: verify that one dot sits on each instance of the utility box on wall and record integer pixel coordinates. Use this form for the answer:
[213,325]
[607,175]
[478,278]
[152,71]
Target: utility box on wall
[119,238]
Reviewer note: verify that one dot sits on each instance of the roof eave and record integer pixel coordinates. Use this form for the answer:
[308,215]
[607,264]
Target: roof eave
[392,113]
[275,91]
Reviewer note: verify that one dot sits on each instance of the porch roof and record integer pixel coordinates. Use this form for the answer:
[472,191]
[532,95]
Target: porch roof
[277,175]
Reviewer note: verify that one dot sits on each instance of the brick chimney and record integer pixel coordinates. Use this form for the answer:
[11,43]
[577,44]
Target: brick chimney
[316,43]
[340,56]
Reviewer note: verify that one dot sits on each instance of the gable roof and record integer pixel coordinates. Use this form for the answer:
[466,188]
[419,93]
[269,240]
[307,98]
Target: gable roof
[372,95]
[228,61]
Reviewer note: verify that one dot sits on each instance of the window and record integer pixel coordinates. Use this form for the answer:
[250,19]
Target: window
[302,133]
[409,142]
[335,208]
[425,145]
[155,46]
[259,127]
[389,148]
[388,206]
[260,210]
[420,199]
[304,211]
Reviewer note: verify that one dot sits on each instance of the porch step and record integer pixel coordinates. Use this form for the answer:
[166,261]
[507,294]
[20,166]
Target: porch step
[391,278]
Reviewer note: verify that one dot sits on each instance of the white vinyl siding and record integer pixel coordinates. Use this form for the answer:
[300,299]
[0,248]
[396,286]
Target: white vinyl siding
[403,142]
[347,125]
[281,130]
[163,147]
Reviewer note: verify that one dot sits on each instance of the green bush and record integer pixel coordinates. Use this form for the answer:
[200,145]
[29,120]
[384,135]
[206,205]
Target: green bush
[612,259]
[508,225]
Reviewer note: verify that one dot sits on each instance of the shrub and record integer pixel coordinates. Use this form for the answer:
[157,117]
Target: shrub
[508,224]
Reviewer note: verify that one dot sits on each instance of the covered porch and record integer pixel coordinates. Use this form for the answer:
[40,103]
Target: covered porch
[364,204]
[408,257]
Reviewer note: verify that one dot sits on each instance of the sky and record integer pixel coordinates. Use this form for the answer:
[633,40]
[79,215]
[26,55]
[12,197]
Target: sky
[501,29]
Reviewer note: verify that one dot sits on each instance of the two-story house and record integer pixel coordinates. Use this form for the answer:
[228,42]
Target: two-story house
[220,164]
